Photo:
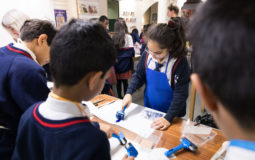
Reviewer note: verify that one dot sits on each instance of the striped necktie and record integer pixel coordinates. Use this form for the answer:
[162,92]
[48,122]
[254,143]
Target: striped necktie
[158,66]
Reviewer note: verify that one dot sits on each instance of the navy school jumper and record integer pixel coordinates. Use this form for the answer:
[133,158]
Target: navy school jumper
[179,84]
[125,60]
[22,83]
[74,138]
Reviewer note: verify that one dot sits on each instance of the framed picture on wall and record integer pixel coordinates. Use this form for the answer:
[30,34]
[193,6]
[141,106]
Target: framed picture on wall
[60,17]
[154,16]
[87,9]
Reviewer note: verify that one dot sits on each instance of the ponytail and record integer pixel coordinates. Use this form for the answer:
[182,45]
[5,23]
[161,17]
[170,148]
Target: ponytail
[170,36]
[176,25]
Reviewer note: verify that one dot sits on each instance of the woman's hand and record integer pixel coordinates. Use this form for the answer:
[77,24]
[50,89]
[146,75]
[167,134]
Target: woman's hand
[127,99]
[160,124]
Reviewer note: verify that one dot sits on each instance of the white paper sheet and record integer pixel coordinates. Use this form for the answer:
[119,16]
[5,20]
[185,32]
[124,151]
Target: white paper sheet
[135,117]
[118,151]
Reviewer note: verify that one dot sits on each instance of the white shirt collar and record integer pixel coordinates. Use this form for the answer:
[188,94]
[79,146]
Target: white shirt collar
[55,109]
[19,44]
[164,61]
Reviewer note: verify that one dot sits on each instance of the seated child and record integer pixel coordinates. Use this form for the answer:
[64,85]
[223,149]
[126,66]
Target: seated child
[222,37]
[60,128]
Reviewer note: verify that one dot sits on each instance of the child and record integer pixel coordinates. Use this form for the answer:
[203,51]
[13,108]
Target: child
[165,71]
[104,21]
[60,128]
[22,79]
[144,44]
[135,36]
[172,11]
[222,36]
[12,21]
[124,44]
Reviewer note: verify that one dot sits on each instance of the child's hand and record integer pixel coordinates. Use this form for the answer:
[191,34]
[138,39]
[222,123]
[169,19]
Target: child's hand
[107,129]
[127,99]
[127,158]
[160,124]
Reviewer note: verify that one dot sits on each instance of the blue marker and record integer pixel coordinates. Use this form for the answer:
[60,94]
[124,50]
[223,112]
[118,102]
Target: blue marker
[120,115]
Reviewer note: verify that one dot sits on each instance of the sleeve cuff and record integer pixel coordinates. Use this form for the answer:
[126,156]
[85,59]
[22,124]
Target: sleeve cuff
[129,91]
[169,118]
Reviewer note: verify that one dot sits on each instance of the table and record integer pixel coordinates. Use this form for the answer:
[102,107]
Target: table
[170,138]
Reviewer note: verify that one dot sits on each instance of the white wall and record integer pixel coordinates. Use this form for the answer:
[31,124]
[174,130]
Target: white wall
[71,7]
[103,7]
[128,6]
[42,9]
[141,6]
[33,8]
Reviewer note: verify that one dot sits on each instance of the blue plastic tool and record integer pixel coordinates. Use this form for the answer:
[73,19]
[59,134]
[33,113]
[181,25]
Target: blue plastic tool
[131,150]
[185,144]
[120,115]
[121,138]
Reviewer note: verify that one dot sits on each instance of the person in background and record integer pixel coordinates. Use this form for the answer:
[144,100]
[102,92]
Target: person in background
[135,36]
[164,69]
[104,21]
[12,22]
[224,70]
[60,127]
[144,44]
[124,45]
[22,79]
[173,11]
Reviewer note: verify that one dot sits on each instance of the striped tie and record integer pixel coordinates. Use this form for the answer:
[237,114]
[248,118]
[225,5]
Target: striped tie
[158,66]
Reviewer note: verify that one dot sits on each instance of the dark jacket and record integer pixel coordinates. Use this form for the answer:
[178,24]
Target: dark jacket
[125,60]
[22,83]
[74,138]
[135,37]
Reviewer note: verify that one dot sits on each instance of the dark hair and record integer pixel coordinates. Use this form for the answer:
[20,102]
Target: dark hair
[122,20]
[146,28]
[169,36]
[173,8]
[135,31]
[103,18]
[33,28]
[120,30]
[80,47]
[223,37]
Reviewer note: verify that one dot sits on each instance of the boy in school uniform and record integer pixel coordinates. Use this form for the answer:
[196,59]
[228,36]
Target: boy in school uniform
[222,36]
[22,79]
[60,128]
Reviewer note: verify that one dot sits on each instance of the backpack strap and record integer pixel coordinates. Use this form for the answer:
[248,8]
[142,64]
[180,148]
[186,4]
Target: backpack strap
[173,71]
